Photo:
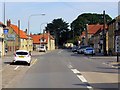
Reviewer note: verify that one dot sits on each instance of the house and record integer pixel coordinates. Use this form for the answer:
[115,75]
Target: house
[114,35]
[97,40]
[91,30]
[18,39]
[43,40]
[117,35]
[95,37]
[2,48]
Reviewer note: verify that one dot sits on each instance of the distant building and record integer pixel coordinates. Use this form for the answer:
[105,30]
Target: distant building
[94,34]
[43,40]
[91,30]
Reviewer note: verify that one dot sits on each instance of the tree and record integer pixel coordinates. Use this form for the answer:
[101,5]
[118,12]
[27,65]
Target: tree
[79,24]
[59,29]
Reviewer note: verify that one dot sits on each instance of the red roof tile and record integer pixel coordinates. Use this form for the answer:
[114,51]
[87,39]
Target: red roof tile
[92,29]
[36,38]
[22,33]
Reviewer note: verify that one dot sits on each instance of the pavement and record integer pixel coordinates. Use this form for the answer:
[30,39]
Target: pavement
[110,60]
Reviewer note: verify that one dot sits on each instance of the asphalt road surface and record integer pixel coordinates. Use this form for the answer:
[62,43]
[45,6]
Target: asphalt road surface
[64,69]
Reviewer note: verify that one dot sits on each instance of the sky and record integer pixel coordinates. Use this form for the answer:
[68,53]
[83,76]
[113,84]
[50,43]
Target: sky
[68,10]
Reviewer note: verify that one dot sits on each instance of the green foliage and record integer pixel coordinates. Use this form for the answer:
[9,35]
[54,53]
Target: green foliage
[79,24]
[59,29]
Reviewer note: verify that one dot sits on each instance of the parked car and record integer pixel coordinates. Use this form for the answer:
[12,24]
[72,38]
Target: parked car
[42,49]
[89,51]
[74,49]
[22,56]
[81,49]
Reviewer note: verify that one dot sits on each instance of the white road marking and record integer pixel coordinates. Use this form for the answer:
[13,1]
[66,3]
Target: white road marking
[107,64]
[70,66]
[89,87]
[81,78]
[16,68]
[75,71]
[60,52]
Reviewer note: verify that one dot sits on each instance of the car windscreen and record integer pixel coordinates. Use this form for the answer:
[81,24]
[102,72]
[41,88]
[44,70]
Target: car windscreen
[21,53]
[89,49]
[41,47]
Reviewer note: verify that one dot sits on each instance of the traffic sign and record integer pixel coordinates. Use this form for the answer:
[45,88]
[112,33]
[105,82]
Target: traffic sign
[10,37]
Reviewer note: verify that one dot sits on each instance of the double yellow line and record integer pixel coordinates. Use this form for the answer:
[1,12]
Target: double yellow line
[34,61]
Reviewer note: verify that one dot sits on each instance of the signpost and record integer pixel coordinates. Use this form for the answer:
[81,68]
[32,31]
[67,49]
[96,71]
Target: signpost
[5,31]
[10,37]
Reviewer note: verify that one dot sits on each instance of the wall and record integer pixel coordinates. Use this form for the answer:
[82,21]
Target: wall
[2,49]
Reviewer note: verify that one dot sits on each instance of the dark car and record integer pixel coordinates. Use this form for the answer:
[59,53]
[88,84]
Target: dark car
[75,48]
[81,49]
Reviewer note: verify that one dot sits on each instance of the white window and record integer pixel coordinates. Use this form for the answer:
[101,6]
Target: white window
[42,40]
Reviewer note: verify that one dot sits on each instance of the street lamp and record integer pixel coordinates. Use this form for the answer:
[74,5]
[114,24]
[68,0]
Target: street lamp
[29,23]
[30,17]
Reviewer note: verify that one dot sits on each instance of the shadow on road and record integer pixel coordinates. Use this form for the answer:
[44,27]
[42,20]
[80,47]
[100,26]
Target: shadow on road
[16,63]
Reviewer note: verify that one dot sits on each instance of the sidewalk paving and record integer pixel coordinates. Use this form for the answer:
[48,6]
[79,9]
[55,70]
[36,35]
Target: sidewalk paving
[110,60]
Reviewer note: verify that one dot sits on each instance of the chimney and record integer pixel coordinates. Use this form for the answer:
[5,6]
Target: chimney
[26,31]
[8,23]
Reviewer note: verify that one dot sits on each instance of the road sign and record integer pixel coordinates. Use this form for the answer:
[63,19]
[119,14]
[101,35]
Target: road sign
[5,31]
[10,37]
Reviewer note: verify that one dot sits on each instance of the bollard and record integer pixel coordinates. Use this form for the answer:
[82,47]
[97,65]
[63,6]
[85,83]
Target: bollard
[117,57]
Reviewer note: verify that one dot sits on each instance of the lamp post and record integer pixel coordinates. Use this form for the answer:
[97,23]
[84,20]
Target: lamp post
[86,35]
[32,16]
[4,12]
[29,24]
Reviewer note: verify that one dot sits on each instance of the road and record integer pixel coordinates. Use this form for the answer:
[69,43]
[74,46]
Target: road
[64,69]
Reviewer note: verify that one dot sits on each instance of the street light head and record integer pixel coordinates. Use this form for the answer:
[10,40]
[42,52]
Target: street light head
[43,14]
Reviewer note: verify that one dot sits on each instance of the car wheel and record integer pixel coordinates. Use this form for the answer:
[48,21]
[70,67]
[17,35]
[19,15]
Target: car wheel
[28,64]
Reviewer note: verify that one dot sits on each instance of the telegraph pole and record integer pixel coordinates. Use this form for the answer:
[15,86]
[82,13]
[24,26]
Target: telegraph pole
[104,35]
[86,35]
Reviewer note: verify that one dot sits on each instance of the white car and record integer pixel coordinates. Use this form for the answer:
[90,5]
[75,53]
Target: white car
[22,56]
[89,51]
[42,49]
